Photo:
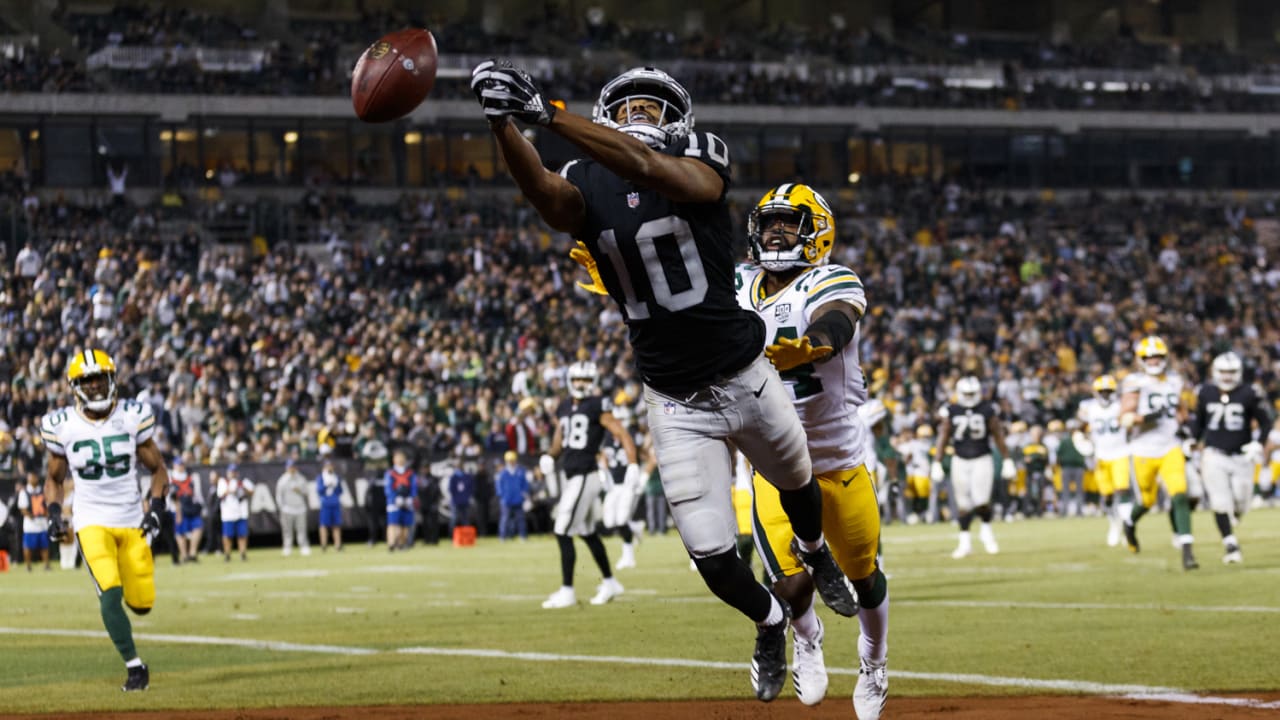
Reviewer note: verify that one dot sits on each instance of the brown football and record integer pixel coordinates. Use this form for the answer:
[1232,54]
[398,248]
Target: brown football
[394,75]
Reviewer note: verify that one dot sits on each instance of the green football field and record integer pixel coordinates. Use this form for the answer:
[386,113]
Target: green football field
[1055,612]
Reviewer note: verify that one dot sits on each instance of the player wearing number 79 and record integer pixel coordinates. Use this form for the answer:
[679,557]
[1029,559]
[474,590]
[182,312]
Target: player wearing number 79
[648,208]
[971,426]
[96,441]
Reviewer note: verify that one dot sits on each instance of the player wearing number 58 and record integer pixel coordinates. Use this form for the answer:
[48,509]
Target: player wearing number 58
[648,206]
[1151,411]
[96,442]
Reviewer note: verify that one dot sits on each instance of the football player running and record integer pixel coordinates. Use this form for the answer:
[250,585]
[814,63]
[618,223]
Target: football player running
[1151,410]
[971,426]
[808,307]
[98,442]
[1228,419]
[583,418]
[649,209]
[1101,416]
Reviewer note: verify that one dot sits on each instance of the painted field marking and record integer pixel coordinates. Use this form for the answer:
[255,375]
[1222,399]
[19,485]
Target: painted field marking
[1135,692]
[1012,604]
[201,640]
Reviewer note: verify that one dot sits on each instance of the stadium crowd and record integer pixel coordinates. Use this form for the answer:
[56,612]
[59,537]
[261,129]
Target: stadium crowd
[314,57]
[304,354]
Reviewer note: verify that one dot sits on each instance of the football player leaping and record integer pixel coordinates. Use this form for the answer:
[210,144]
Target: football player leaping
[1151,408]
[649,208]
[97,442]
[1229,417]
[811,310]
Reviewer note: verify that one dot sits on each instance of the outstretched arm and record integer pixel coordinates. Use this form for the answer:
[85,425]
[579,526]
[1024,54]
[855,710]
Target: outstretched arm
[555,198]
[681,179]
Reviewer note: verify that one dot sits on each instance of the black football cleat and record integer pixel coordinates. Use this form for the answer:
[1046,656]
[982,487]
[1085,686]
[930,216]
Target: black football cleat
[139,679]
[769,662]
[1131,536]
[828,579]
[1189,558]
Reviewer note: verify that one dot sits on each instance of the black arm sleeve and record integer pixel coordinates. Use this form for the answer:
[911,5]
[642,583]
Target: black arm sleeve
[834,327]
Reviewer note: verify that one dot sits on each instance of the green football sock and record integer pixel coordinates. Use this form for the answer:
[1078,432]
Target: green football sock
[1181,514]
[117,623]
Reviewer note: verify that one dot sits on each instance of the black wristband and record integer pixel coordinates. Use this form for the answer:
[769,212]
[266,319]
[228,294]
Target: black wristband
[157,505]
[53,509]
[835,327]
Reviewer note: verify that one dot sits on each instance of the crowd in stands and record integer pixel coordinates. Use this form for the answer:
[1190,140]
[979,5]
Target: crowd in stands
[303,354]
[316,54]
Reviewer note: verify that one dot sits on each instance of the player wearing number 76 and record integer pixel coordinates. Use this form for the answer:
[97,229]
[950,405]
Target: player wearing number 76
[96,441]
[648,207]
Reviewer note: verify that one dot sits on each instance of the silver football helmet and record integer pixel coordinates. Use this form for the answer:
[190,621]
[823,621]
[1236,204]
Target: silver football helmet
[1227,371]
[968,391]
[582,379]
[646,83]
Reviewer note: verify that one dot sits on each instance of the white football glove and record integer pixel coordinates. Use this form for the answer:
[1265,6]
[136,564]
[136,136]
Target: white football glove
[936,473]
[1082,443]
[632,478]
[1253,452]
[547,465]
[1008,470]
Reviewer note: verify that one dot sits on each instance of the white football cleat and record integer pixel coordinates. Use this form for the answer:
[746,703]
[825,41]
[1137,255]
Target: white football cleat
[608,590]
[988,539]
[1233,555]
[872,689]
[808,668]
[562,598]
[1114,532]
[964,548]
[628,559]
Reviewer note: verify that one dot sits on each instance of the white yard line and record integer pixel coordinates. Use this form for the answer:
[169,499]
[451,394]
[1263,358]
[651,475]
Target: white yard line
[1085,606]
[1135,692]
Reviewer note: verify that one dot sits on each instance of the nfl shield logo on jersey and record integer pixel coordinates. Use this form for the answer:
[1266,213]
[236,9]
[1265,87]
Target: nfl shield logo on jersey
[668,408]
[633,200]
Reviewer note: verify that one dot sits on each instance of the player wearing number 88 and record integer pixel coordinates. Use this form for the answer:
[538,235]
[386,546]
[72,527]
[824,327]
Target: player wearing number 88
[1151,409]
[96,442]
[648,207]
[971,426]
[581,422]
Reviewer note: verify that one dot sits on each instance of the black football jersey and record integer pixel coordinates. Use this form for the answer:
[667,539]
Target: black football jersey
[970,434]
[1222,419]
[669,266]
[616,459]
[581,433]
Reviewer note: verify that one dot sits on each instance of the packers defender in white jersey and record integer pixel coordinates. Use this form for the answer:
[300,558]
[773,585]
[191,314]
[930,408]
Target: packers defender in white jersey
[98,442]
[1101,416]
[811,310]
[1151,408]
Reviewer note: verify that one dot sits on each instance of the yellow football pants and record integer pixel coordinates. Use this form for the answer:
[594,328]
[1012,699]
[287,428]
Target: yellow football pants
[1170,468]
[917,486]
[1113,475]
[850,522]
[120,556]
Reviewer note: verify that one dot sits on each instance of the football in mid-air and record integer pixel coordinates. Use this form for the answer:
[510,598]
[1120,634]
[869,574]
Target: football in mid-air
[394,75]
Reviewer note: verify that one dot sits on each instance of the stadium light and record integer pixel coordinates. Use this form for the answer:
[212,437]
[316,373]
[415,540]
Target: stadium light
[413,138]
[291,137]
[854,178]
